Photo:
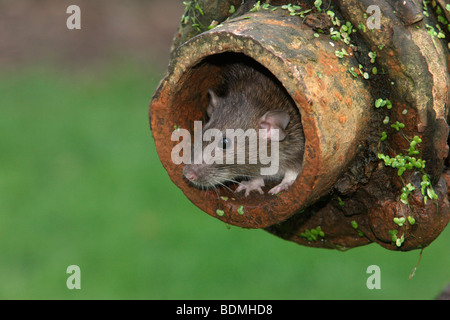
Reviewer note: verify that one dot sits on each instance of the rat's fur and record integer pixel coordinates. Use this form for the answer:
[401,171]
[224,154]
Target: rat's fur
[250,95]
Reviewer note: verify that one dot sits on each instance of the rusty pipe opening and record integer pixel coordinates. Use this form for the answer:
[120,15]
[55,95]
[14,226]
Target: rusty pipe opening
[333,109]
[341,127]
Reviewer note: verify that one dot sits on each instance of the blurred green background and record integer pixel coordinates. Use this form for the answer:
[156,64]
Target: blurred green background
[81,183]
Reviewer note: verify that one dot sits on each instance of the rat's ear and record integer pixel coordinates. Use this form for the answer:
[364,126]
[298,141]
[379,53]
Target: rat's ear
[275,120]
[213,101]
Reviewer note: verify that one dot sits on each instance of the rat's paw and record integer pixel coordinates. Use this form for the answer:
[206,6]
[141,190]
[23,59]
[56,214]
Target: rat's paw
[283,186]
[248,186]
[288,180]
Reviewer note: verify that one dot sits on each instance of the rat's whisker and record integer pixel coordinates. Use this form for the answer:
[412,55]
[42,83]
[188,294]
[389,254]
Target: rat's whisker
[226,179]
[225,186]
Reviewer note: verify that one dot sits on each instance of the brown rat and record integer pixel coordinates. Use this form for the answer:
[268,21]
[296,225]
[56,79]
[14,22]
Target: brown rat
[252,99]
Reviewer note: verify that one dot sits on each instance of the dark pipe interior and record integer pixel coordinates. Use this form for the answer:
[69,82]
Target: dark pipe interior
[193,92]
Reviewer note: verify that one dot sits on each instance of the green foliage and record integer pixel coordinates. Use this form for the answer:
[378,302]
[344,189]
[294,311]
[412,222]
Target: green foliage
[397,240]
[372,56]
[383,102]
[355,226]
[313,234]
[405,162]
[341,54]
[317,4]
[294,10]
[353,72]
[192,13]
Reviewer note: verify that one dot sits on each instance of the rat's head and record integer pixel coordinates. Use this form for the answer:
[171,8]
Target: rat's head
[239,140]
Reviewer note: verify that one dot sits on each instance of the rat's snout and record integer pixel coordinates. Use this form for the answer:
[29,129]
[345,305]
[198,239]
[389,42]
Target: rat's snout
[190,173]
[194,172]
[191,176]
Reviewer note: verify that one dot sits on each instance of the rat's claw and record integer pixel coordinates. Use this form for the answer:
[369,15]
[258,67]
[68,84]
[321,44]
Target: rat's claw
[279,188]
[288,180]
[248,186]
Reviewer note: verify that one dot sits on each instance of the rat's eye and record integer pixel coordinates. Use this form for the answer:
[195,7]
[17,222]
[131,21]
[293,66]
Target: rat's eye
[225,143]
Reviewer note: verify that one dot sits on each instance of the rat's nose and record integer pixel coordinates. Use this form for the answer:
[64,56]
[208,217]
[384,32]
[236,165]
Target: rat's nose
[190,174]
